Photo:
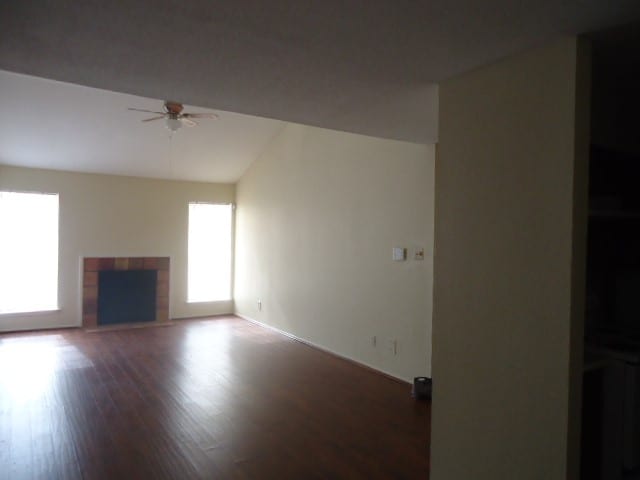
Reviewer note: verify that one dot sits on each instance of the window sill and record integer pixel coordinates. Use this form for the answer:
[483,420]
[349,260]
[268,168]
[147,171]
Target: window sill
[195,302]
[31,313]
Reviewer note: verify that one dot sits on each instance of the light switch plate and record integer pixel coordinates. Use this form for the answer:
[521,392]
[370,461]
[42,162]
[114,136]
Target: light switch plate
[399,254]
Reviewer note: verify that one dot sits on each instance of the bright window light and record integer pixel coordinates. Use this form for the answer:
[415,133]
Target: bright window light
[209,267]
[28,252]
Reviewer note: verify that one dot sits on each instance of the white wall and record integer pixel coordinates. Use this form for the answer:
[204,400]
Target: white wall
[318,214]
[103,216]
[509,268]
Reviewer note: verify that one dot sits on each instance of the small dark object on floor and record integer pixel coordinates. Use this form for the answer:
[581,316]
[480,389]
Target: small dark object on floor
[421,388]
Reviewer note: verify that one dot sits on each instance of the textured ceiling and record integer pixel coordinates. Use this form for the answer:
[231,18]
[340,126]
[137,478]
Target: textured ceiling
[365,66]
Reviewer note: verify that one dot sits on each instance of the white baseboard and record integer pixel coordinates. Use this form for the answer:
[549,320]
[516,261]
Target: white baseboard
[324,349]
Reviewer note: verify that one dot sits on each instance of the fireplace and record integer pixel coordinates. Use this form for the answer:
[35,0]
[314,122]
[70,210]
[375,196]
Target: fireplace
[119,290]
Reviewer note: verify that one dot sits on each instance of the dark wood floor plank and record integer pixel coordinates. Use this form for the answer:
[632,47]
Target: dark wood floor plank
[215,398]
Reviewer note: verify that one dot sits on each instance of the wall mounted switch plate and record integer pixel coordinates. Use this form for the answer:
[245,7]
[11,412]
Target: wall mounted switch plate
[399,254]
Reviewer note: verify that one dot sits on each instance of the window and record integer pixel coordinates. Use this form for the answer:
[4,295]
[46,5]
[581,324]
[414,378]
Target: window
[28,252]
[209,255]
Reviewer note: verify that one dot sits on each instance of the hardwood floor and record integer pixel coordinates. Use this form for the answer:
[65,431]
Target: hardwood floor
[217,398]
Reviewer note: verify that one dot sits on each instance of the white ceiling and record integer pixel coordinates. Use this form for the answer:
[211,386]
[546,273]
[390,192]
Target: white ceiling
[362,66]
[50,124]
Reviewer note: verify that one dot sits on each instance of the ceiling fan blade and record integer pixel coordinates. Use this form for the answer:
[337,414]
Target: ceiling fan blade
[145,111]
[200,115]
[187,122]
[152,119]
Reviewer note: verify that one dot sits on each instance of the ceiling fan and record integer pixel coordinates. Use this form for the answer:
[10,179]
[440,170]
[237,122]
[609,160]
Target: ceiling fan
[174,117]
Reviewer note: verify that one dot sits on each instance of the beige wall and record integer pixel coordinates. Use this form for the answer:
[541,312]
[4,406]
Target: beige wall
[508,290]
[102,215]
[318,214]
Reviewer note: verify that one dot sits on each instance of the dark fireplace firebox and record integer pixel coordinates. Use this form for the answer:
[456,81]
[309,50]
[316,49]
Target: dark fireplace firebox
[126,296]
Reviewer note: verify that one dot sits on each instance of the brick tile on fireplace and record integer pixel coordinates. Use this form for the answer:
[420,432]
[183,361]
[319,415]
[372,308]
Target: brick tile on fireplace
[90,279]
[89,306]
[121,263]
[90,320]
[162,289]
[91,264]
[90,292]
[150,263]
[136,263]
[162,302]
[106,263]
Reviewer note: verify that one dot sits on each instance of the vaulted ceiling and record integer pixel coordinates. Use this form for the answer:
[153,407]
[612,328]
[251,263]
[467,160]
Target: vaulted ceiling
[363,66]
[61,126]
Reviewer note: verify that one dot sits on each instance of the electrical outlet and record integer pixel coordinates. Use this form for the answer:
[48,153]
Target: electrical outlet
[259,305]
[393,347]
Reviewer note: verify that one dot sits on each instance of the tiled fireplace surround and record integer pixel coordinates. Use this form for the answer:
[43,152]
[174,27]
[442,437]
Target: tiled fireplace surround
[92,265]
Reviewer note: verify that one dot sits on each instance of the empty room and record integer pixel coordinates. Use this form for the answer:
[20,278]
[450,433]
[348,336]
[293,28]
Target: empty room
[241,239]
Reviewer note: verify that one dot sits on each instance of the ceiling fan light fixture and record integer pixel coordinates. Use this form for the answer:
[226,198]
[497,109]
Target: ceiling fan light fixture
[173,124]
[174,117]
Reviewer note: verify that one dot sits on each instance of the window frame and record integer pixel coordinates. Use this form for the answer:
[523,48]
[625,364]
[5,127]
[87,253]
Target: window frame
[232,208]
[56,306]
